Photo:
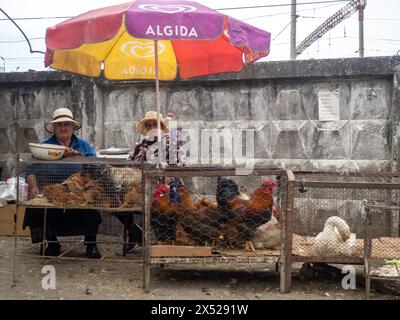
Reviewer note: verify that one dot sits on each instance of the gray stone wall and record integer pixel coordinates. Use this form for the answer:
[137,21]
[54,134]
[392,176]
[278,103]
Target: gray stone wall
[279,100]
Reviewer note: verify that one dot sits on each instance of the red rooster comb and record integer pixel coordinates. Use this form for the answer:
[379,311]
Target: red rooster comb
[269,183]
[162,188]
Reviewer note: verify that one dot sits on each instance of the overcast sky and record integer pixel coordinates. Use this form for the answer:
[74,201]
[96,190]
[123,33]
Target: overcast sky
[382,27]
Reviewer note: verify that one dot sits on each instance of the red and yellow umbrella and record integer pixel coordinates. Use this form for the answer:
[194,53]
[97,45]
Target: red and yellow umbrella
[191,39]
[154,39]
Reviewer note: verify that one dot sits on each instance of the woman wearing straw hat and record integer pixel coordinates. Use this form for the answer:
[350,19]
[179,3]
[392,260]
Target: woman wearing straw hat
[61,222]
[147,151]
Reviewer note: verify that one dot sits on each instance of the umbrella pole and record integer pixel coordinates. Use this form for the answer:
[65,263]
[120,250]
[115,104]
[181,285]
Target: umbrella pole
[158,104]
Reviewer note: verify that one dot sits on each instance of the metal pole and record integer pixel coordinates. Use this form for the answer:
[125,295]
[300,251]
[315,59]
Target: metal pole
[361,31]
[158,102]
[293,32]
[146,236]
[16,222]
[4,64]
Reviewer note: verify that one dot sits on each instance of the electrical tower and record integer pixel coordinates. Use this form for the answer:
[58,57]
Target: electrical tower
[333,21]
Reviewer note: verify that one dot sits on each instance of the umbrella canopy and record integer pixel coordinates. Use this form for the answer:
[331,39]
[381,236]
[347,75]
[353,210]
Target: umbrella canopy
[190,39]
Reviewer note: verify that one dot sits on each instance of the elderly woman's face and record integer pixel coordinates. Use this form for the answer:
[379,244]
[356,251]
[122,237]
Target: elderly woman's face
[151,127]
[63,130]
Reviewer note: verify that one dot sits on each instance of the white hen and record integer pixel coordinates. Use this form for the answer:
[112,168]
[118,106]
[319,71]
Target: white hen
[268,235]
[335,239]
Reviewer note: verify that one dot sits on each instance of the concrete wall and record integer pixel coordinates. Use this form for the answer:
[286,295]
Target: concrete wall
[279,100]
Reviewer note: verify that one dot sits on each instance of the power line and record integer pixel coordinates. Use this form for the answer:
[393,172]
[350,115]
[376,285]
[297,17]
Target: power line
[282,30]
[281,5]
[287,12]
[26,38]
[22,40]
[383,19]
[37,18]
[386,19]
[219,9]
[331,22]
[23,58]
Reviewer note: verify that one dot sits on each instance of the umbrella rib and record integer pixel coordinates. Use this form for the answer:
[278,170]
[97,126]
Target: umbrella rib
[115,43]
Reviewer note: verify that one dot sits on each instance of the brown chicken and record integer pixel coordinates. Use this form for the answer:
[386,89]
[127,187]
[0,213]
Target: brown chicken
[132,197]
[163,216]
[244,216]
[204,203]
[76,182]
[161,201]
[59,195]
[94,195]
[197,223]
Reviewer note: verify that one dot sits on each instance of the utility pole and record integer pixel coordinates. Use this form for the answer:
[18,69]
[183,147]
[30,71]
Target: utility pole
[360,9]
[293,53]
[333,21]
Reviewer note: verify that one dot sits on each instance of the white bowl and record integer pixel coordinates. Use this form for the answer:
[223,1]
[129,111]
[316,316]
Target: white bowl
[46,151]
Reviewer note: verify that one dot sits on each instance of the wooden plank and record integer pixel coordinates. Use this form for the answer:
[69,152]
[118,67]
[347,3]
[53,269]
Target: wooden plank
[179,251]
[215,259]
[287,237]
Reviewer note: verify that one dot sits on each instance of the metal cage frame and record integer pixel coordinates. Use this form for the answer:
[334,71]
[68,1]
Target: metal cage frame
[284,257]
[68,161]
[350,180]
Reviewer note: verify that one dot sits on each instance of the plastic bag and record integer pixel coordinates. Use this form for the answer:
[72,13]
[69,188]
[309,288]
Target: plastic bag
[8,190]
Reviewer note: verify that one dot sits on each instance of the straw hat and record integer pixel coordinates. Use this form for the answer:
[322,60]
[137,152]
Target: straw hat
[62,115]
[151,115]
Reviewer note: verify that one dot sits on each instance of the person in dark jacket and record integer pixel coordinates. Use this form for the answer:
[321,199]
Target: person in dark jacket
[61,222]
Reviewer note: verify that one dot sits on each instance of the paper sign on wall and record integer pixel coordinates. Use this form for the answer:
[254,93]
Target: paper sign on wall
[328,105]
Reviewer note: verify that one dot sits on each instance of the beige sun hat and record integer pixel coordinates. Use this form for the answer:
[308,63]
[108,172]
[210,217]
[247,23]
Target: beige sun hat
[151,115]
[62,115]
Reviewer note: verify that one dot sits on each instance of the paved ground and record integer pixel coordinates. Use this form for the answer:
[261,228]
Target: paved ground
[83,279]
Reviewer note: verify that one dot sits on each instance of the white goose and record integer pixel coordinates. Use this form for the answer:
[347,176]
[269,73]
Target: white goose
[335,239]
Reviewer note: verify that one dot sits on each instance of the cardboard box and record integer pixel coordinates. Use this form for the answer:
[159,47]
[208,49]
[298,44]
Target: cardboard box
[7,221]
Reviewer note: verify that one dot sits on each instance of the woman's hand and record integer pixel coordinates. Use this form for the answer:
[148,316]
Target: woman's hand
[69,152]
[34,191]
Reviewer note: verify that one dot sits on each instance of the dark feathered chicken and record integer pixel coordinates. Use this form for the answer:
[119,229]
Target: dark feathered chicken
[245,216]
[201,228]
[116,182]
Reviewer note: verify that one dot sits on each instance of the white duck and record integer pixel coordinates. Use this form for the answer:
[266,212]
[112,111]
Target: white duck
[335,239]
[268,235]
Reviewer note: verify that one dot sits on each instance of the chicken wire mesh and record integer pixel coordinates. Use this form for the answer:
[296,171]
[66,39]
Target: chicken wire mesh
[383,249]
[328,223]
[219,213]
[94,183]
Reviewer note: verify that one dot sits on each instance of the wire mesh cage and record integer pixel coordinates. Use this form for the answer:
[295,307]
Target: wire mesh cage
[64,199]
[81,182]
[214,214]
[382,250]
[328,224]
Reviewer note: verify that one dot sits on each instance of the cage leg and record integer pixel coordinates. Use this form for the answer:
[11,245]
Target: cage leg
[367,254]
[14,281]
[44,241]
[125,236]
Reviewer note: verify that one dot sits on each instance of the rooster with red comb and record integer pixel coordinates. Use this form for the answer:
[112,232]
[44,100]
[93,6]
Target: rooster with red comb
[245,216]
